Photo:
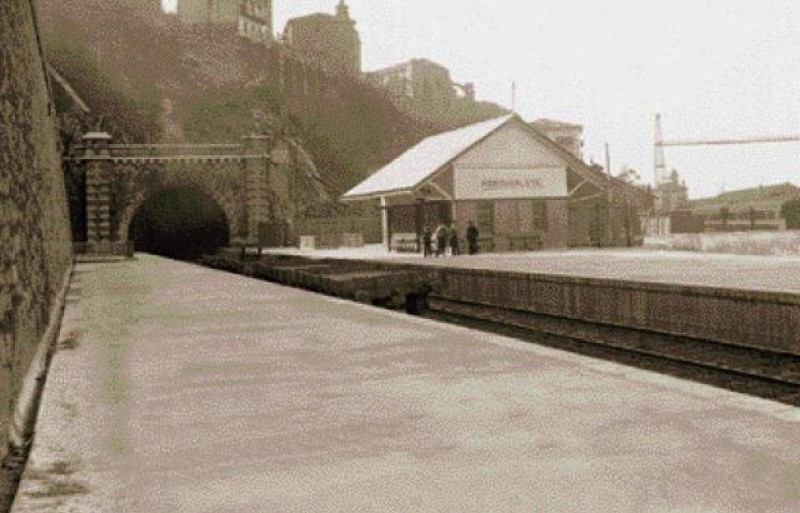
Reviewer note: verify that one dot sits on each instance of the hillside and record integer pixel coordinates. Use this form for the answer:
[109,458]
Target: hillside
[777,194]
[153,78]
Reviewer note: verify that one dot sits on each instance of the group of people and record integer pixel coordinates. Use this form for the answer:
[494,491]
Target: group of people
[447,241]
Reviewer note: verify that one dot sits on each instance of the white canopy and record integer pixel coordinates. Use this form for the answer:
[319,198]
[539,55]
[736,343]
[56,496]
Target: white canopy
[414,166]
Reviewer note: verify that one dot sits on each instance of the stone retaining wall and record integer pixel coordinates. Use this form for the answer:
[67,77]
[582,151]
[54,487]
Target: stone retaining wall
[35,241]
[764,320]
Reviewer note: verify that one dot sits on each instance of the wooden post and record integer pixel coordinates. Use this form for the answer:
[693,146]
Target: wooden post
[419,224]
[385,223]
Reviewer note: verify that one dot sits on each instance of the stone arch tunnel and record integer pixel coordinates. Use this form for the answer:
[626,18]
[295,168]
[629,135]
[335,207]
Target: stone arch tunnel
[134,192]
[179,222]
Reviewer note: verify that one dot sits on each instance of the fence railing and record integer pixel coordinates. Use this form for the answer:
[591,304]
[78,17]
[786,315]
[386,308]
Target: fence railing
[332,231]
[165,150]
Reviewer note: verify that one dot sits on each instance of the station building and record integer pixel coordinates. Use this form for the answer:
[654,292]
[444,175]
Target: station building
[521,189]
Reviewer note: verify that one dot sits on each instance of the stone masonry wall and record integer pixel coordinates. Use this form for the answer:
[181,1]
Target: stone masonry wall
[35,248]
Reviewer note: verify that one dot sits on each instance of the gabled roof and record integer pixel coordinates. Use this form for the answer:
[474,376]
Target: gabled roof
[414,166]
[411,169]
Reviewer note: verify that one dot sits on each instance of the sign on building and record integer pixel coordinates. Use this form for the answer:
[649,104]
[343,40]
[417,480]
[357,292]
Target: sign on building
[485,184]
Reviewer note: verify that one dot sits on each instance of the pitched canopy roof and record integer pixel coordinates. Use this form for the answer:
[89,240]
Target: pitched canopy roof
[411,169]
[414,166]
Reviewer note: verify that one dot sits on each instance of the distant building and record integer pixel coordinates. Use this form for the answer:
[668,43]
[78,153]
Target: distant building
[567,135]
[757,208]
[330,40]
[671,194]
[418,78]
[255,20]
[422,80]
[209,11]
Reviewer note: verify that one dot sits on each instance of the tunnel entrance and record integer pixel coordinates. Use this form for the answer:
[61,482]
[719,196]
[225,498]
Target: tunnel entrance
[181,223]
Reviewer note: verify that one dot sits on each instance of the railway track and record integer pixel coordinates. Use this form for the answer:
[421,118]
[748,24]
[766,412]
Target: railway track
[771,375]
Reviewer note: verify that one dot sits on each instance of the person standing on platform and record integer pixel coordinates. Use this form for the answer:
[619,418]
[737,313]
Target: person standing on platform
[455,250]
[472,238]
[426,242]
[441,241]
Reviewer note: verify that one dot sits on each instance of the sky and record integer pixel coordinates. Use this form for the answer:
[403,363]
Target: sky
[713,69]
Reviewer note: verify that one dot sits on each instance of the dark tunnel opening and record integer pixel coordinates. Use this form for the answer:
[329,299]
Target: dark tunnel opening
[183,224]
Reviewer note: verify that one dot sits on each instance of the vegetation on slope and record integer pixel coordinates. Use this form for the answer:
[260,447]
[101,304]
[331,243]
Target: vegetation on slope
[127,117]
[791,212]
[126,65]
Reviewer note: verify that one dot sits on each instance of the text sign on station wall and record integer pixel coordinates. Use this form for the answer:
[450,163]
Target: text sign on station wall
[474,184]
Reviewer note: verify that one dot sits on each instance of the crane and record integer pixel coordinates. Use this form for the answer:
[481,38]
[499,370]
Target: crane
[660,143]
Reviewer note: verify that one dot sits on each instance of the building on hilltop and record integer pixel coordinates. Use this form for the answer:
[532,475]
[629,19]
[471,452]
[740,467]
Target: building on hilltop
[567,135]
[422,80]
[252,18]
[209,11]
[255,20]
[331,40]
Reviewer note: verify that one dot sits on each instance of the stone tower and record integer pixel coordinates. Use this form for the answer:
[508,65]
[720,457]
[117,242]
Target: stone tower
[342,11]
[209,11]
[329,39]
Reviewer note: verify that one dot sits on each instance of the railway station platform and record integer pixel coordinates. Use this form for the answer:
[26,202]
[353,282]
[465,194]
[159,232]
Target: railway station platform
[778,274]
[749,302]
[178,388]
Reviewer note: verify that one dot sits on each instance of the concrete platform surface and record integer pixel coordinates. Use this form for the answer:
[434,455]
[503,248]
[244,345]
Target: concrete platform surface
[746,272]
[182,389]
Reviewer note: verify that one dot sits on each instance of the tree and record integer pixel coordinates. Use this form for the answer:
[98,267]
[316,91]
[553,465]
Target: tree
[629,175]
[790,211]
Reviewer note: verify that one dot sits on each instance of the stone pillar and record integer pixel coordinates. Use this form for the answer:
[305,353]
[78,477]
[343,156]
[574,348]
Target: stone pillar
[257,175]
[98,190]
